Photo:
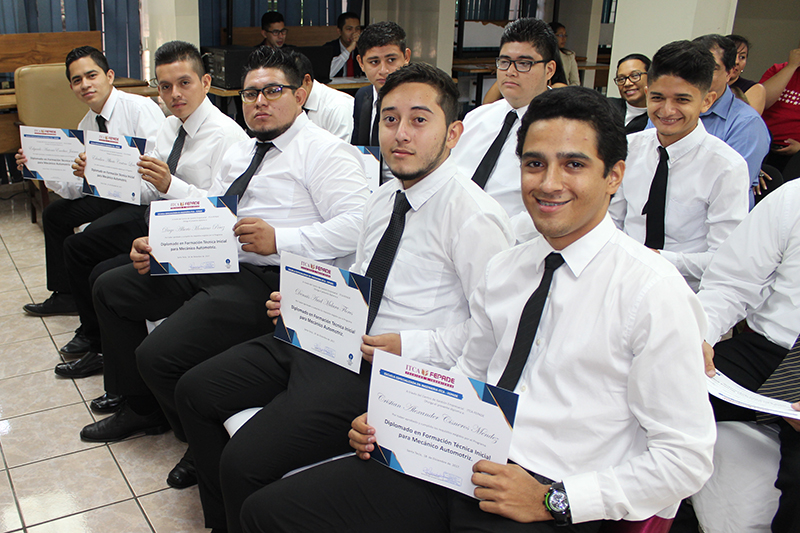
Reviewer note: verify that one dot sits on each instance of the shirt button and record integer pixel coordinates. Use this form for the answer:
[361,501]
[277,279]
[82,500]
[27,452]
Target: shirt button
[524,388]
[538,342]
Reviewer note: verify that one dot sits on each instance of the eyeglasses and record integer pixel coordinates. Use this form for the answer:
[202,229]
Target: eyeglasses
[633,76]
[522,65]
[278,33]
[270,92]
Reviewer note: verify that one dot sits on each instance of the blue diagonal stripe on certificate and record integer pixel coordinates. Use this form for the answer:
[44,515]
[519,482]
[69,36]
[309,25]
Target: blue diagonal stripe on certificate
[31,174]
[286,334]
[387,457]
[157,268]
[421,384]
[505,400]
[231,202]
[357,281]
[77,134]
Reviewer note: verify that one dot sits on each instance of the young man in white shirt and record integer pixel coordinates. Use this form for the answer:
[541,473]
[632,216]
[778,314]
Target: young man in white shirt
[451,230]
[685,190]
[528,50]
[208,133]
[306,195]
[611,421]
[328,108]
[112,111]
[754,275]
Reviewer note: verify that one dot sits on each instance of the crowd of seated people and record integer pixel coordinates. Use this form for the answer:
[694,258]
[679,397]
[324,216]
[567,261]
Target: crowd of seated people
[587,253]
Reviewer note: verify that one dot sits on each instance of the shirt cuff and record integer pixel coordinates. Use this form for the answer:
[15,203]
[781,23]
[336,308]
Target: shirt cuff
[415,345]
[585,499]
[288,240]
[177,189]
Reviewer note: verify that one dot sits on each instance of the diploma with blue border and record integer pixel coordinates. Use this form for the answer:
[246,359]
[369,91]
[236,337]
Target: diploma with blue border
[193,236]
[323,310]
[112,169]
[371,163]
[434,424]
[51,153]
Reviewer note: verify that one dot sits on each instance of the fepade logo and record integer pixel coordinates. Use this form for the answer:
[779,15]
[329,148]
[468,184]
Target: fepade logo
[109,138]
[189,204]
[319,270]
[431,376]
[43,131]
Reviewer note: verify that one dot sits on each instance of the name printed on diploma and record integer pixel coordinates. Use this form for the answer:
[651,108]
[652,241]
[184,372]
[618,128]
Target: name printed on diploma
[434,424]
[323,310]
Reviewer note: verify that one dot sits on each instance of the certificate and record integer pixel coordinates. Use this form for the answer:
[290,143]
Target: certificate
[193,236]
[323,310]
[112,169]
[51,153]
[371,163]
[433,424]
[728,390]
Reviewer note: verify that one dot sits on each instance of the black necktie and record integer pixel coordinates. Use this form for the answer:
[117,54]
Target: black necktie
[656,203]
[175,153]
[240,184]
[101,123]
[374,139]
[528,324]
[784,382]
[489,160]
[382,260]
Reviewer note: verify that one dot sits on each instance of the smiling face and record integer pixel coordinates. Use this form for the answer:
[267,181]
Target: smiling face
[564,185]
[414,135]
[519,88]
[674,106]
[270,118]
[89,83]
[380,61]
[634,92]
[180,87]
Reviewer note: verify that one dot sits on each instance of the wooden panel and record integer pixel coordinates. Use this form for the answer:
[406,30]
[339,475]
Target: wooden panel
[20,49]
[298,35]
[9,133]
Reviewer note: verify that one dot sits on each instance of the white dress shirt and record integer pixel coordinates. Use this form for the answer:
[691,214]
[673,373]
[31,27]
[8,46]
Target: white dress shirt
[756,272]
[338,62]
[612,399]
[707,196]
[310,187]
[481,127]
[125,114]
[209,134]
[633,112]
[451,232]
[331,110]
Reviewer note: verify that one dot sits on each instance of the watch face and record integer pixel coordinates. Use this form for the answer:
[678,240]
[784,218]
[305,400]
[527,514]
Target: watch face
[558,501]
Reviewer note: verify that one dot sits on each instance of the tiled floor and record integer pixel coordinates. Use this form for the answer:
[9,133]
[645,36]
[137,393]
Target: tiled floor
[51,481]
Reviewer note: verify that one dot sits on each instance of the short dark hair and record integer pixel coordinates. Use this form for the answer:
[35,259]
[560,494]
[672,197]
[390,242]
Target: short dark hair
[268,57]
[343,18]
[175,51]
[87,51]
[586,105]
[739,40]
[638,57]
[381,34]
[436,78]
[684,59]
[533,31]
[727,46]
[303,64]
[270,17]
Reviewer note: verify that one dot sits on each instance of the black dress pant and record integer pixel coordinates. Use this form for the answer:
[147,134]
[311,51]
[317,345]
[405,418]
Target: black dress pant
[59,220]
[308,405]
[354,496]
[749,359]
[208,313]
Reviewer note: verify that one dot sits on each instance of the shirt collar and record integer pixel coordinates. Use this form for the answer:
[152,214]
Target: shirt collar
[722,106]
[312,102]
[374,97]
[520,112]
[679,148]
[424,189]
[634,109]
[580,253]
[286,138]
[111,101]
[196,119]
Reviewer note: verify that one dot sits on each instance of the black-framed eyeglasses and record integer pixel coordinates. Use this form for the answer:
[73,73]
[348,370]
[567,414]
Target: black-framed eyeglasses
[522,65]
[278,33]
[633,76]
[270,92]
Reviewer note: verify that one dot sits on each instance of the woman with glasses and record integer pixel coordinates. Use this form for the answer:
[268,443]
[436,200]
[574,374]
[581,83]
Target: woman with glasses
[567,56]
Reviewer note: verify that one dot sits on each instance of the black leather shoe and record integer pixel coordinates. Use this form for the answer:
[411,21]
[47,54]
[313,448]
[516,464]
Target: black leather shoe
[57,304]
[184,474]
[107,403]
[78,346]
[123,424]
[89,364]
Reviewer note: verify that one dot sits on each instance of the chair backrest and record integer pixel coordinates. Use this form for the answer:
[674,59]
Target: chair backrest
[655,524]
[792,169]
[45,99]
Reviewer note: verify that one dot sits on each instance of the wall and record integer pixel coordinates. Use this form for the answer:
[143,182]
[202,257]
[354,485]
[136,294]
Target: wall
[167,20]
[773,27]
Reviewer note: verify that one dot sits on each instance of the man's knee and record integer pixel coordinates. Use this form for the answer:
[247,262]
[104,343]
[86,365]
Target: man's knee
[191,394]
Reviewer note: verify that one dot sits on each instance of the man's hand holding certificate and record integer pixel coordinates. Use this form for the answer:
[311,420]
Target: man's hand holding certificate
[193,236]
[435,425]
[112,169]
[50,153]
[323,310]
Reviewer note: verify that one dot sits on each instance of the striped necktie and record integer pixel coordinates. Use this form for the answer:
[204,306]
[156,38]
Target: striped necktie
[175,153]
[784,383]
